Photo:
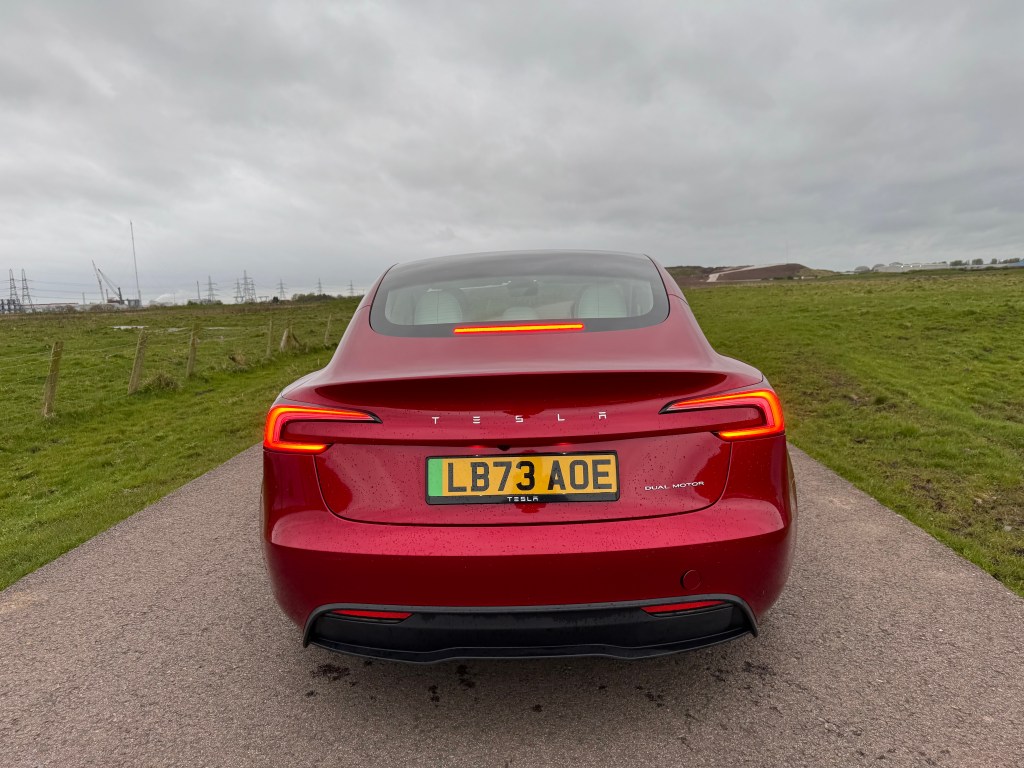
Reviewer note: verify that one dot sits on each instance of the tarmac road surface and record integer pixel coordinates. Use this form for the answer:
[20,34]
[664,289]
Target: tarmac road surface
[158,643]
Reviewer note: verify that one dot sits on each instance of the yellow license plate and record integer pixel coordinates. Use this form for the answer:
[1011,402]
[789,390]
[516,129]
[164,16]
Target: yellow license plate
[536,477]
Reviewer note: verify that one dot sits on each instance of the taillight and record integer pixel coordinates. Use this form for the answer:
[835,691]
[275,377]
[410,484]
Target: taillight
[281,416]
[764,400]
[531,328]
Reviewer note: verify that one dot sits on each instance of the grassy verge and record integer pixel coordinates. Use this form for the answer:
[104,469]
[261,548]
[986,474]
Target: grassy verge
[910,387]
[107,455]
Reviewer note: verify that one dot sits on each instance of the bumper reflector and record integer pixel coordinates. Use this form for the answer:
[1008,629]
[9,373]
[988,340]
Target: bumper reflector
[377,615]
[662,610]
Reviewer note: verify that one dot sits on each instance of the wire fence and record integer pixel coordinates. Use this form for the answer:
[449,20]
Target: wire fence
[64,365]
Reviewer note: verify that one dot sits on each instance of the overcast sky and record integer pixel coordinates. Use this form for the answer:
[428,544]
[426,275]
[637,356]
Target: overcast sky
[305,141]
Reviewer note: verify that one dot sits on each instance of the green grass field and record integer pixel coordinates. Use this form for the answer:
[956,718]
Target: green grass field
[107,454]
[910,386]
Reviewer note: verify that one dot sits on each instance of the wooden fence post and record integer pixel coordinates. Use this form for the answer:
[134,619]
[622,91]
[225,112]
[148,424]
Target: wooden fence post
[140,354]
[50,388]
[193,345]
[270,338]
[288,340]
[327,333]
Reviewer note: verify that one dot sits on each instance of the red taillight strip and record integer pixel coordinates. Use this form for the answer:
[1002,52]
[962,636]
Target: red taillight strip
[380,615]
[677,607]
[764,399]
[532,328]
[280,415]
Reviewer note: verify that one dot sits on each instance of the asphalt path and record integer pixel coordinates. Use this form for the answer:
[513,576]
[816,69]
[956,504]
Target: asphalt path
[158,643]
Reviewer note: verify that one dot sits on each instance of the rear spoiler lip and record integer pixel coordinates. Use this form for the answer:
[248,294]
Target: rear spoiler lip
[324,390]
[747,378]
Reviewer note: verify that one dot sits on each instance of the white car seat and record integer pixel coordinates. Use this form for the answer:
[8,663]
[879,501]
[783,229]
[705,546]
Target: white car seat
[437,307]
[601,301]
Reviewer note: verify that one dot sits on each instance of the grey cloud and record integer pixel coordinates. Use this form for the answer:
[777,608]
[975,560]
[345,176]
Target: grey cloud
[306,140]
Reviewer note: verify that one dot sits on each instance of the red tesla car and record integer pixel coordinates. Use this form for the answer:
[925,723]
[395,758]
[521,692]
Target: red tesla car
[526,454]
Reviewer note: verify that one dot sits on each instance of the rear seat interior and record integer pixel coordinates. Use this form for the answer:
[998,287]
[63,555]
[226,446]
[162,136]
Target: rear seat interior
[601,301]
[437,306]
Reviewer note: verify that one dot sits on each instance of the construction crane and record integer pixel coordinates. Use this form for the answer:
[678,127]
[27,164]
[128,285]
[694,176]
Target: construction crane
[108,296]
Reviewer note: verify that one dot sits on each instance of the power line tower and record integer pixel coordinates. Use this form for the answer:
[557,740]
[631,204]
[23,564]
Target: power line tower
[238,291]
[319,287]
[26,297]
[280,290]
[248,288]
[211,293]
[13,304]
[351,288]
[15,300]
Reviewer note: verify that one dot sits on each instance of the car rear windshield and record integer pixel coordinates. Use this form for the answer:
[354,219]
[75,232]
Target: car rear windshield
[604,291]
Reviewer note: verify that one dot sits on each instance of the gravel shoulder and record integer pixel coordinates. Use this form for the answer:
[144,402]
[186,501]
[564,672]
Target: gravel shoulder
[158,643]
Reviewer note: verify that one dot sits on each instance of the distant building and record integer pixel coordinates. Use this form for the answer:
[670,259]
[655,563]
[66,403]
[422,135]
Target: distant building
[898,266]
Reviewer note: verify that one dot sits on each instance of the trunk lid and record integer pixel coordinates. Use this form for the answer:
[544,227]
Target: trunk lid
[588,393]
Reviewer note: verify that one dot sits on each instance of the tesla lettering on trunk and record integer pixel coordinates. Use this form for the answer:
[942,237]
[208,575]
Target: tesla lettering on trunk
[505,479]
[519,418]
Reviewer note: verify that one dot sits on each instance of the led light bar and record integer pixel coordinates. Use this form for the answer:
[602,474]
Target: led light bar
[531,328]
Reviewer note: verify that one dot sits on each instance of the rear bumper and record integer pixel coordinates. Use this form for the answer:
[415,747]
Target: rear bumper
[740,547]
[619,630]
